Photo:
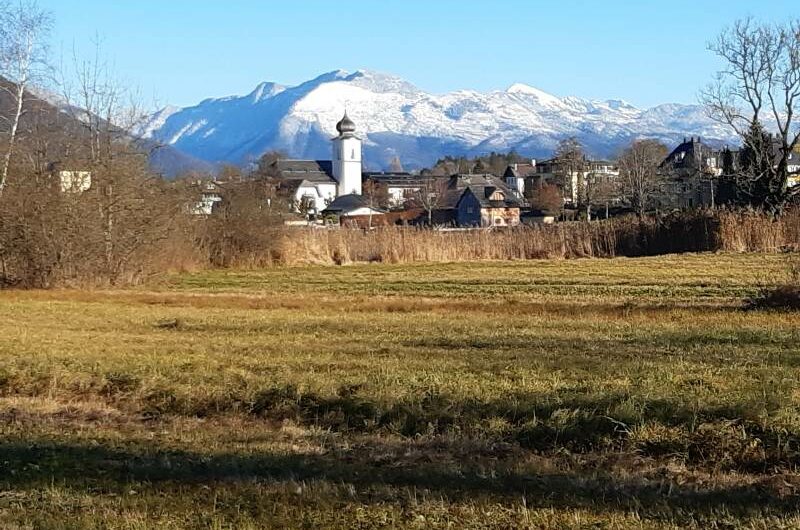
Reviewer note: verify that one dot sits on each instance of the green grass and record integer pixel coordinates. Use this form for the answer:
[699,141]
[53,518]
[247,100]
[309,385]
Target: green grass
[626,393]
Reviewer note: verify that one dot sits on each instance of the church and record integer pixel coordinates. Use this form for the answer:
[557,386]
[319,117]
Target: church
[333,186]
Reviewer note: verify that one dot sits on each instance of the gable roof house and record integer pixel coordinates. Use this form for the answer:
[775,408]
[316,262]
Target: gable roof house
[308,183]
[400,187]
[483,200]
[353,210]
[690,171]
[522,177]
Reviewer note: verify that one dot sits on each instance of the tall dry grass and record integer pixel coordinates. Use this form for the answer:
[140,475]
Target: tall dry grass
[748,231]
[686,232]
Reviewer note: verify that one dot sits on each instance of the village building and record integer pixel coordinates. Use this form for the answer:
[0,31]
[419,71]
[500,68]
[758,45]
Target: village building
[210,194]
[522,178]
[74,181]
[351,206]
[314,185]
[691,173]
[400,188]
[482,201]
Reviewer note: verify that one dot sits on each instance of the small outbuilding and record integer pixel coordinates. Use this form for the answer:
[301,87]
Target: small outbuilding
[351,206]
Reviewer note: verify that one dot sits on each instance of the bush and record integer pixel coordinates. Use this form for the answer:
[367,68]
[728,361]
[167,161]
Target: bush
[785,295]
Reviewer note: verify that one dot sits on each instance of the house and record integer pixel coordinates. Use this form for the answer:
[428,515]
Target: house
[482,200]
[74,181]
[308,183]
[400,187]
[524,177]
[794,167]
[210,193]
[690,173]
[313,185]
[353,209]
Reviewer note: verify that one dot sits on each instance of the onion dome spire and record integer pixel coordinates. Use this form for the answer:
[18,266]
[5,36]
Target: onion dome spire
[346,125]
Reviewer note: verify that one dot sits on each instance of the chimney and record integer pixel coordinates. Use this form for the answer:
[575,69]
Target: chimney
[533,162]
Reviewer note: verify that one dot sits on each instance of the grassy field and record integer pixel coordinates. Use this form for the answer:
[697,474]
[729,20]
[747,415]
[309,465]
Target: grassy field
[625,393]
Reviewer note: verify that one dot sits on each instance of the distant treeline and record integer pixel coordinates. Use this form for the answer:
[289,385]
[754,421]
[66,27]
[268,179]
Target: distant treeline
[494,163]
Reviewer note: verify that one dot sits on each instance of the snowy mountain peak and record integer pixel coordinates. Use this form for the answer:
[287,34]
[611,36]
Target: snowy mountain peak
[522,89]
[397,119]
[265,91]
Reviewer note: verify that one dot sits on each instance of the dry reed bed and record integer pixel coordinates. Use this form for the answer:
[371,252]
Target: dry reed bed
[687,232]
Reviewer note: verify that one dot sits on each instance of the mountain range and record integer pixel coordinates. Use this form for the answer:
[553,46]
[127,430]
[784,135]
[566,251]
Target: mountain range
[47,111]
[397,119]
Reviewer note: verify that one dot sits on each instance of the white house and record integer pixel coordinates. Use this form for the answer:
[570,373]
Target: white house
[209,196]
[75,181]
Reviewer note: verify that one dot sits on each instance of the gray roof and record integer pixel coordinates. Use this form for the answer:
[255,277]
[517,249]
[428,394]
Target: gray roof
[482,186]
[520,170]
[484,194]
[689,154]
[347,203]
[318,171]
[397,180]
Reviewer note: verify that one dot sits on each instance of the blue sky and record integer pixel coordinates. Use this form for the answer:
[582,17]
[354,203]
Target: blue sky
[183,51]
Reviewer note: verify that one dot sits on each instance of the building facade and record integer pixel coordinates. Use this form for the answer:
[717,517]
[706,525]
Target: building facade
[313,185]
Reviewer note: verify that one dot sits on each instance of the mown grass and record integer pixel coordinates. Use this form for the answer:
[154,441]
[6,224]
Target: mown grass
[627,393]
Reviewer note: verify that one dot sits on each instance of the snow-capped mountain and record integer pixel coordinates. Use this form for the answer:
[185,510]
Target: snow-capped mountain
[395,118]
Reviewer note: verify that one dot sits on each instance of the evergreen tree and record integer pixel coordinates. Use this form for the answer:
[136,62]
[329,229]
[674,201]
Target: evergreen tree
[727,189]
[755,180]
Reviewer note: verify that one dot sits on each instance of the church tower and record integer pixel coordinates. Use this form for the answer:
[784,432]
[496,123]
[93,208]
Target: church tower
[347,158]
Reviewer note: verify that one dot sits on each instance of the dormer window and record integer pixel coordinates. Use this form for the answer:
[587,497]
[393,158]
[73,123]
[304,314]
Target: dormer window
[497,196]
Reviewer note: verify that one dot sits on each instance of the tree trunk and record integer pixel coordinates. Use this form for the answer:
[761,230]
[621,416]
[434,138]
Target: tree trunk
[12,137]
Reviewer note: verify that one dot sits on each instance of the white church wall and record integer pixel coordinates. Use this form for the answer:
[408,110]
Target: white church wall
[347,164]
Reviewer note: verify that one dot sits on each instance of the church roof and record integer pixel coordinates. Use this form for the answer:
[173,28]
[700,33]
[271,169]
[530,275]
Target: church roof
[346,125]
[319,171]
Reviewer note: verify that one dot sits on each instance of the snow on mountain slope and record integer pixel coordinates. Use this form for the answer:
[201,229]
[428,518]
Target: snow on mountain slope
[397,119]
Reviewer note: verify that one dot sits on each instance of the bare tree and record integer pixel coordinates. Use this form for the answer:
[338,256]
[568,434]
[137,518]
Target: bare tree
[546,198]
[638,171]
[24,29]
[593,189]
[376,196]
[760,83]
[570,166]
[431,195]
[123,189]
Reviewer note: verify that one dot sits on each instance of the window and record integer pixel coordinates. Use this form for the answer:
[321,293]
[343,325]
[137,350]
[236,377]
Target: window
[353,154]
